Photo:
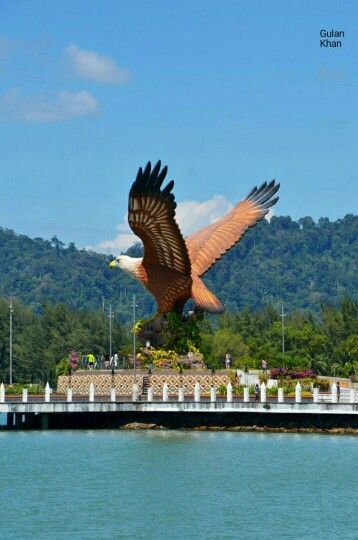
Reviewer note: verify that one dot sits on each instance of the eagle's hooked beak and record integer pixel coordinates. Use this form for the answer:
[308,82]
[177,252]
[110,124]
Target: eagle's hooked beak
[112,264]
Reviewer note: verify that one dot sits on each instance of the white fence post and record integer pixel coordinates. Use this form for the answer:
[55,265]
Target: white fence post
[246,394]
[2,393]
[113,395]
[263,393]
[352,395]
[24,395]
[315,395]
[229,392]
[91,392]
[165,392]
[47,393]
[181,393]
[197,392]
[298,393]
[280,398]
[135,392]
[69,394]
[150,393]
[334,393]
[213,394]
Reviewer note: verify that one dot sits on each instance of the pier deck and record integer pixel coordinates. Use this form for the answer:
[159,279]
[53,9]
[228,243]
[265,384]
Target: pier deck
[102,413]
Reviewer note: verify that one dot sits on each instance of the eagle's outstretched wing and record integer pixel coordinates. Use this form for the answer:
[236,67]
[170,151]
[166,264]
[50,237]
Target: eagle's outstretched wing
[209,244]
[151,216]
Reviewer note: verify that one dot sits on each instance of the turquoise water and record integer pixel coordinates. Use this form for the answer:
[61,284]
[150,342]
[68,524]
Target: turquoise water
[172,484]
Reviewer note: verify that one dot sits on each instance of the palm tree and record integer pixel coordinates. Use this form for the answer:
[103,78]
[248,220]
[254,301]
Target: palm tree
[318,365]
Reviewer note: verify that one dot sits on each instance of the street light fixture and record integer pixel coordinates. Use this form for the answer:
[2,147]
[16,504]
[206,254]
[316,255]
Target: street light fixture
[134,305]
[110,317]
[10,367]
[283,315]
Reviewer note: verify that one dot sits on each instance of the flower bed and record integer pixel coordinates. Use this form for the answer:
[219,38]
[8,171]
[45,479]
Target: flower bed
[284,373]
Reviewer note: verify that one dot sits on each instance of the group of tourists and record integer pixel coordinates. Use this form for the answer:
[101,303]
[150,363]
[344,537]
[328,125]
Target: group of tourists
[106,361]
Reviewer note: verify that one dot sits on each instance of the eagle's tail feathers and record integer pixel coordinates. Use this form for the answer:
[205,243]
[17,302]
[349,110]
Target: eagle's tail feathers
[205,299]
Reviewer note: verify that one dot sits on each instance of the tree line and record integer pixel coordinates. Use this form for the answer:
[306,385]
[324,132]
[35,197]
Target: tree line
[326,342]
[301,263]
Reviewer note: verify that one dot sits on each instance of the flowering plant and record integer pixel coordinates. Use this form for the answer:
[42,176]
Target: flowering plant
[73,360]
[284,373]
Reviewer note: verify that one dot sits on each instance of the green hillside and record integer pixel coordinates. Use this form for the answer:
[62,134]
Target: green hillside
[300,263]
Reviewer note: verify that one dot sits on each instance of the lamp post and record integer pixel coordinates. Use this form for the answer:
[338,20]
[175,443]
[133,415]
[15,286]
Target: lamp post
[10,367]
[134,340]
[110,317]
[283,315]
[110,331]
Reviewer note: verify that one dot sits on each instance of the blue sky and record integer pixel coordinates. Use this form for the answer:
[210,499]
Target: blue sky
[228,94]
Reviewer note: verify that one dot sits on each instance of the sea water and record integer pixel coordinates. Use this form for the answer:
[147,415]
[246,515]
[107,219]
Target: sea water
[177,484]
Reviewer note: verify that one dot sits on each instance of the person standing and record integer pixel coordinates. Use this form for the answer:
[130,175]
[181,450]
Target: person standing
[228,361]
[338,390]
[257,392]
[91,361]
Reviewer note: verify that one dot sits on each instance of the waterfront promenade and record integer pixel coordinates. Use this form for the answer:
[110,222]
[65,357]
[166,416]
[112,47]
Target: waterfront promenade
[193,411]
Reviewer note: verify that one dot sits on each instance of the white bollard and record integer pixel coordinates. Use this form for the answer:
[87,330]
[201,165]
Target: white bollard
[298,393]
[135,392]
[165,392]
[263,393]
[352,395]
[2,393]
[229,392]
[91,392]
[315,395]
[246,394]
[212,394]
[24,395]
[197,392]
[69,394]
[47,393]
[150,393]
[334,393]
[280,398]
[113,395]
[181,393]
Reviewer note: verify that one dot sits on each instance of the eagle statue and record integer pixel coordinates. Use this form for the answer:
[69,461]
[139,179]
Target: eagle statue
[172,266]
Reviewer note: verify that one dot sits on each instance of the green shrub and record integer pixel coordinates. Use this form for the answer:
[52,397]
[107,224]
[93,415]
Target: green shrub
[63,367]
[16,389]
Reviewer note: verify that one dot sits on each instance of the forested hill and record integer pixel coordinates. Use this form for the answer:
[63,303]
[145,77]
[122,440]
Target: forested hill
[300,263]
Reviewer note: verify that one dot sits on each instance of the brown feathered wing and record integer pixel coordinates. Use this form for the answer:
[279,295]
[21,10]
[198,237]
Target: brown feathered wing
[151,216]
[211,243]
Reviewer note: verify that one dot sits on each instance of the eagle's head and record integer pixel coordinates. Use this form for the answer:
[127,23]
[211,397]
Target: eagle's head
[127,264]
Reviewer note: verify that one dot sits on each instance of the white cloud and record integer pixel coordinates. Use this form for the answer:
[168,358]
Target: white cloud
[13,105]
[190,215]
[194,215]
[94,66]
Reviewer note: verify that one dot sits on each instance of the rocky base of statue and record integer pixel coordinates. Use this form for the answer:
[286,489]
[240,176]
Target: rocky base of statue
[171,339]
[152,332]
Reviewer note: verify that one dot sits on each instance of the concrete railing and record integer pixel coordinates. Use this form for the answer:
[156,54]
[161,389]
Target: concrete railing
[335,396]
